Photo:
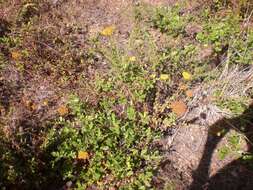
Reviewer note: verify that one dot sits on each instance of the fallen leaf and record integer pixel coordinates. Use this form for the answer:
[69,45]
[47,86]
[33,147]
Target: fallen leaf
[189,93]
[16,55]
[187,75]
[63,110]
[179,108]
[83,155]
[108,31]
[164,77]
[182,86]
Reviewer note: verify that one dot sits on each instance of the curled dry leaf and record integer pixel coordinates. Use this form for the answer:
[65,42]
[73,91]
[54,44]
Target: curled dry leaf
[179,108]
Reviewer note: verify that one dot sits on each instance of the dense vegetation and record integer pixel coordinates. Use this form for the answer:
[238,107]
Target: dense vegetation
[89,114]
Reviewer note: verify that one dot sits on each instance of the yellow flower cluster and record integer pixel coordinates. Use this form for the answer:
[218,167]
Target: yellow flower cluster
[108,31]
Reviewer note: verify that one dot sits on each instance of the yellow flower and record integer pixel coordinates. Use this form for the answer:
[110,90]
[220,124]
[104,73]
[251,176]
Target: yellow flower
[16,55]
[83,155]
[132,58]
[108,31]
[153,76]
[164,76]
[33,106]
[187,75]
[63,110]
[45,102]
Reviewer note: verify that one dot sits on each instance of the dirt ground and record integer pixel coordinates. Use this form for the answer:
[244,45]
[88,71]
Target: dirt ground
[186,144]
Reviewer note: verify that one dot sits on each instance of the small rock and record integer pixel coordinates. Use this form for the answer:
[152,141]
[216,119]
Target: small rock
[69,184]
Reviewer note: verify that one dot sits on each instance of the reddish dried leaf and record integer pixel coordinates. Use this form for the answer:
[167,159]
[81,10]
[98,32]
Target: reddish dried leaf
[179,108]
[189,93]
[182,86]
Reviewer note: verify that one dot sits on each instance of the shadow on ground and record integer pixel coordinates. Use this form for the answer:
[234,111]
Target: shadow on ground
[236,175]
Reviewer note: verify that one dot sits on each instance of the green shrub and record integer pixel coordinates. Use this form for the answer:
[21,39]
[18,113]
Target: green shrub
[119,149]
[219,32]
[242,49]
[115,135]
[169,20]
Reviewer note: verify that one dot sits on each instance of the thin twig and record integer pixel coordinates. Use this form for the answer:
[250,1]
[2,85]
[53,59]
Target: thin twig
[44,44]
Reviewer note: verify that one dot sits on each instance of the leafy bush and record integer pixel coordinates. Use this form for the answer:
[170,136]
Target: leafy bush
[109,145]
[242,49]
[219,32]
[118,152]
[169,20]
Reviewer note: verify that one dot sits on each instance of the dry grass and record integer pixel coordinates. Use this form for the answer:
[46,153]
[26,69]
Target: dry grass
[231,83]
